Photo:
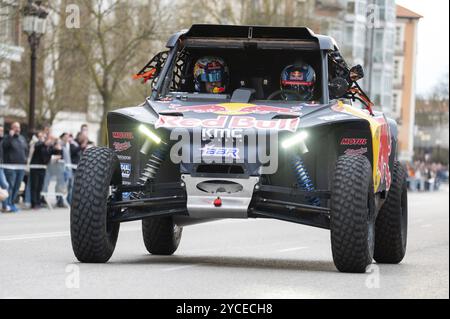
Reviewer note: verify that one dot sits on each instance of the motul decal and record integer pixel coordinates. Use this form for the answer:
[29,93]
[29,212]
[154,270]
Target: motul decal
[123,135]
[353,141]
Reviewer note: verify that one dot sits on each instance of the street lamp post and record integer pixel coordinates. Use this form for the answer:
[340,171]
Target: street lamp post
[34,26]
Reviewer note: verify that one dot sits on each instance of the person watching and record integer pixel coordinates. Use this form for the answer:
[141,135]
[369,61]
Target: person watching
[15,152]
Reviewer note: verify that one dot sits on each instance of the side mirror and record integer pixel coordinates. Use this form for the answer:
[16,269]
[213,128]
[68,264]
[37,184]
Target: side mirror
[356,73]
[338,87]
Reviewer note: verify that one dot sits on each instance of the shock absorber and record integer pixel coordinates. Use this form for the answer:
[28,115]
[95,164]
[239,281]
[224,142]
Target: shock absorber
[151,168]
[153,164]
[303,179]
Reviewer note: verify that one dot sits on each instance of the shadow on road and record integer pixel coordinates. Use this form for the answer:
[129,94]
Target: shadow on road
[232,262]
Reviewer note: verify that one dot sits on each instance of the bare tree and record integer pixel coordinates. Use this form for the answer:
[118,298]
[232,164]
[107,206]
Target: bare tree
[112,33]
[52,71]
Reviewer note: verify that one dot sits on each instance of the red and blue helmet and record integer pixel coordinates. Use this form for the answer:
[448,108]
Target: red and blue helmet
[297,82]
[210,69]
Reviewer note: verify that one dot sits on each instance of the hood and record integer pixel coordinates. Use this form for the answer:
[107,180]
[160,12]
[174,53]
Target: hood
[258,114]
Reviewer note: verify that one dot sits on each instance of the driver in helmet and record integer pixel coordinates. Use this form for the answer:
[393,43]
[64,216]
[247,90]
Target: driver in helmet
[210,75]
[297,82]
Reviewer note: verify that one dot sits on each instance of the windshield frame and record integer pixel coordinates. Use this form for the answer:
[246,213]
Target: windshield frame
[162,87]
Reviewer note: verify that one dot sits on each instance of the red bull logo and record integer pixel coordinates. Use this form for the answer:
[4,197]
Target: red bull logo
[384,153]
[231,122]
[236,109]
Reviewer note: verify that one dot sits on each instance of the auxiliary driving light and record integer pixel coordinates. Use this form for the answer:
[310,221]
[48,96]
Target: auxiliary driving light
[148,133]
[294,140]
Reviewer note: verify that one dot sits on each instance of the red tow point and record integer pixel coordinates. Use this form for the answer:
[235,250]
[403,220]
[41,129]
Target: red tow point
[218,202]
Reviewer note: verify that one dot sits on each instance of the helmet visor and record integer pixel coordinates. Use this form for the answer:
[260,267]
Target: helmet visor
[211,76]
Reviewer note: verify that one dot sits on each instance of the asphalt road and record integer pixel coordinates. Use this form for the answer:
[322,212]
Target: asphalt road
[225,259]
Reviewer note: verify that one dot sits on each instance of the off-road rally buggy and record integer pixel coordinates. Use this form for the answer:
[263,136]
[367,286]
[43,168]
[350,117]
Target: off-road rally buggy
[246,151]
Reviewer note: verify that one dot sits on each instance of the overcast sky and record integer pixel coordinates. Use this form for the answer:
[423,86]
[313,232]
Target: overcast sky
[433,41]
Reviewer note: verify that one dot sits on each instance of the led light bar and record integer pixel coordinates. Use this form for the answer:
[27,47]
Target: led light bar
[294,140]
[148,133]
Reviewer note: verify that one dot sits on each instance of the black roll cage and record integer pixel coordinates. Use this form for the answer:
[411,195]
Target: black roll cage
[245,37]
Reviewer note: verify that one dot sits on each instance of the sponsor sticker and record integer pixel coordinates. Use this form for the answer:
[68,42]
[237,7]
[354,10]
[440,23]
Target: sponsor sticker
[231,122]
[124,157]
[357,151]
[121,146]
[209,133]
[353,141]
[126,196]
[230,152]
[123,135]
[236,109]
[126,170]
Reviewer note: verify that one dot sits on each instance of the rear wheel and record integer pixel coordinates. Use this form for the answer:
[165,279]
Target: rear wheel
[161,235]
[93,237]
[392,221]
[352,214]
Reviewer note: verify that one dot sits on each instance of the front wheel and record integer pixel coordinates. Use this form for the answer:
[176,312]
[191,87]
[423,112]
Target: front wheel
[93,237]
[352,222]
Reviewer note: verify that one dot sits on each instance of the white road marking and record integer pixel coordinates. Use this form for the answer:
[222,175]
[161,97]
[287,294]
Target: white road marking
[48,235]
[426,226]
[180,267]
[34,236]
[291,249]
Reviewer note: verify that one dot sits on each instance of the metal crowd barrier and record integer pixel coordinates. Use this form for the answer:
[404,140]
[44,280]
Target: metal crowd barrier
[27,167]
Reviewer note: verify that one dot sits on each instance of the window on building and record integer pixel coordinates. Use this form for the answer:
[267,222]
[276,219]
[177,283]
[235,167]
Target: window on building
[351,7]
[349,35]
[7,21]
[381,10]
[394,102]
[4,22]
[399,37]
[361,8]
[397,103]
[396,69]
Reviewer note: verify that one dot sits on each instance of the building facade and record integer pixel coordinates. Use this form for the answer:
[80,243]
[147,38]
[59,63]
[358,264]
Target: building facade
[403,95]
[10,50]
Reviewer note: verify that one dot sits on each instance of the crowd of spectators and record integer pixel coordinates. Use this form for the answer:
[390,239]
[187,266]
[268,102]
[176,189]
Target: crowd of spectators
[27,168]
[426,176]
[46,157]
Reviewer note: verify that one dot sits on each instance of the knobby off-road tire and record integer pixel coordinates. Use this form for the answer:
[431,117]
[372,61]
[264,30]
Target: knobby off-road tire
[93,237]
[392,221]
[352,214]
[161,235]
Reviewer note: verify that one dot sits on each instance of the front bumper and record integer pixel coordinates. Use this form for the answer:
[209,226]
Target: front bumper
[190,198]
